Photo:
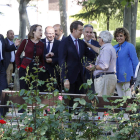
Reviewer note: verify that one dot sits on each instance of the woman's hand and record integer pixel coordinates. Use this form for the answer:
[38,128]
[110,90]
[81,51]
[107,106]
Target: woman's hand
[91,67]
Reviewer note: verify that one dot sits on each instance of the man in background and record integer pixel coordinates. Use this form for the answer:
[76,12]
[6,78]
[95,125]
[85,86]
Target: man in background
[88,32]
[59,35]
[51,47]
[9,56]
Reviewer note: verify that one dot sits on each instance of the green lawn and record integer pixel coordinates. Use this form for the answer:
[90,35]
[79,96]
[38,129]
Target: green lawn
[137,45]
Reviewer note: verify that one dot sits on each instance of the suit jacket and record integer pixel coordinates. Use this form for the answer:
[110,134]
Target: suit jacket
[7,54]
[67,53]
[88,60]
[63,37]
[6,48]
[51,66]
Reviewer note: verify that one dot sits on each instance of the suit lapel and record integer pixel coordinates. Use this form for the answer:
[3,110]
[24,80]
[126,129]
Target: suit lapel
[72,45]
[53,46]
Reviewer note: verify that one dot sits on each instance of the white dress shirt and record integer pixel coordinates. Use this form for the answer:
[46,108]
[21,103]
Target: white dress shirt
[1,50]
[74,41]
[51,44]
[12,52]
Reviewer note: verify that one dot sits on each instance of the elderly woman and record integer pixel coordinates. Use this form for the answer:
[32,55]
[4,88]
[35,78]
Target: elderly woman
[105,66]
[126,63]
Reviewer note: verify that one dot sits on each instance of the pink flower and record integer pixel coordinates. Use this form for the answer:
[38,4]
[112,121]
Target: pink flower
[90,66]
[60,98]
[48,109]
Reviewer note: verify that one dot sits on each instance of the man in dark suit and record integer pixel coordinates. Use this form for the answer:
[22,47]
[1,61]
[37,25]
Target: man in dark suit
[10,56]
[3,48]
[87,32]
[59,35]
[51,51]
[71,51]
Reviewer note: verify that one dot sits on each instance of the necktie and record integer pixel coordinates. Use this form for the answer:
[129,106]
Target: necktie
[0,56]
[76,45]
[48,47]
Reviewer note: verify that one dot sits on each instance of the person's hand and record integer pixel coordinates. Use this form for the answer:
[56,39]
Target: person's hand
[48,60]
[89,45]
[91,67]
[67,84]
[17,42]
[50,54]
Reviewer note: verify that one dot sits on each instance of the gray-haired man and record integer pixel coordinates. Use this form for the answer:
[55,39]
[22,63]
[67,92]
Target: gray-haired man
[105,67]
[87,32]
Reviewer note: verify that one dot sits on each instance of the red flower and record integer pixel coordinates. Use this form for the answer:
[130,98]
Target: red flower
[29,129]
[98,118]
[45,114]
[106,114]
[2,121]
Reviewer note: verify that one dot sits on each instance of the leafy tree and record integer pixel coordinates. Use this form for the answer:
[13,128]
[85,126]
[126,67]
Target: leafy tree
[92,9]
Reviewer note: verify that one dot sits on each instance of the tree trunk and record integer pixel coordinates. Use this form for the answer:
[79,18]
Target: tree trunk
[63,15]
[130,18]
[27,22]
[22,34]
[22,19]
[134,20]
[127,19]
[108,23]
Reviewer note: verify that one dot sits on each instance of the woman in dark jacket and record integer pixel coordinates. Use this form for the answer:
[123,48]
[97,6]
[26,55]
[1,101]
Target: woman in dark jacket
[32,48]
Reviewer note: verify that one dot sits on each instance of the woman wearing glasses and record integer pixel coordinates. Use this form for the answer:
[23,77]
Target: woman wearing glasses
[126,63]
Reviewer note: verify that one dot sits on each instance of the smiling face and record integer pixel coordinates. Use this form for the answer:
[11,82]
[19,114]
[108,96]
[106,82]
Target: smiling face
[120,38]
[38,32]
[77,32]
[87,32]
[58,32]
[50,33]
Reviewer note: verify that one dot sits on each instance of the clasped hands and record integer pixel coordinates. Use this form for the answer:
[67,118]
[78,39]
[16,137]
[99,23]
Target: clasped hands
[48,57]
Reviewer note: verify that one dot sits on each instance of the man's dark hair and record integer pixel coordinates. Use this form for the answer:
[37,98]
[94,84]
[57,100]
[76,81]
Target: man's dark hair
[74,25]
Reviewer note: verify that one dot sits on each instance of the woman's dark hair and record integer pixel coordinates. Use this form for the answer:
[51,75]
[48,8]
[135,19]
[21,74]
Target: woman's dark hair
[95,35]
[74,25]
[32,29]
[123,31]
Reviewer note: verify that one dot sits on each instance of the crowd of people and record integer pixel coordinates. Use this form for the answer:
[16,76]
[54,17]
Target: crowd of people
[109,67]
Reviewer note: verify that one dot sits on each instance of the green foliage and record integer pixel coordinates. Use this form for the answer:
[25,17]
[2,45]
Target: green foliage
[60,124]
[96,9]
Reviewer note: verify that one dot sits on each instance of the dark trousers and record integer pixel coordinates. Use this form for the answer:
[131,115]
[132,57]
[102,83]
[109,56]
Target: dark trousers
[22,73]
[74,89]
[3,82]
[89,75]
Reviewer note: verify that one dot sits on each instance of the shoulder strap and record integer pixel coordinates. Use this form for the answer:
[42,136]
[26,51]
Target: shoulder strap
[25,47]
[25,44]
